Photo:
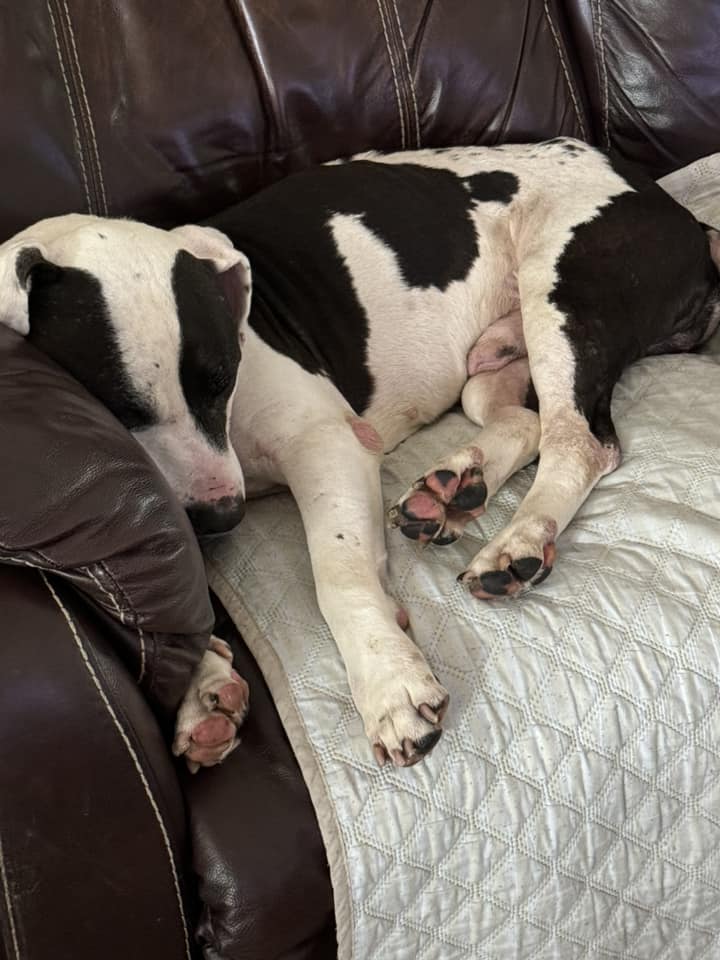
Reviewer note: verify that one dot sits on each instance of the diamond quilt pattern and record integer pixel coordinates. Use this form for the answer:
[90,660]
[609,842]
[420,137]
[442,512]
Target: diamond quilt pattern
[572,808]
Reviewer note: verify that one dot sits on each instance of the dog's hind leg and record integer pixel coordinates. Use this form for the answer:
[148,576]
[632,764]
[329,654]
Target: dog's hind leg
[577,447]
[456,489]
[333,471]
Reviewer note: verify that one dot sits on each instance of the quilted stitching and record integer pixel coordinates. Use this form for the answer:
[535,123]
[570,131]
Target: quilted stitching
[571,809]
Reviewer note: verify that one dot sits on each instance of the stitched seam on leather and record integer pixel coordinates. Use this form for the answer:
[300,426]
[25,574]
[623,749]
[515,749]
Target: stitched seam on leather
[410,80]
[108,594]
[76,127]
[603,75]
[135,617]
[12,556]
[252,49]
[563,64]
[15,558]
[88,114]
[401,112]
[8,905]
[120,612]
[130,749]
[86,132]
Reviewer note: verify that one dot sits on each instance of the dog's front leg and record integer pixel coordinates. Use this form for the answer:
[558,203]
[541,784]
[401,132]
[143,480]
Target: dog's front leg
[213,708]
[333,472]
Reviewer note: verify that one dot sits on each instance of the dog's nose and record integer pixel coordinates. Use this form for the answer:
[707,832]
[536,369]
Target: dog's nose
[218,516]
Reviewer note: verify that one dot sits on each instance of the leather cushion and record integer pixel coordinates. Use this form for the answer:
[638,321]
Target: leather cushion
[79,496]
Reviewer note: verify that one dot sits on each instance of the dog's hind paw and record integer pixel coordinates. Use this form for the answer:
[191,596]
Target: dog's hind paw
[437,508]
[215,705]
[520,557]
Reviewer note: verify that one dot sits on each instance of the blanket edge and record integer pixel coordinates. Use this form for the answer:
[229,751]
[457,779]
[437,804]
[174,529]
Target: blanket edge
[272,669]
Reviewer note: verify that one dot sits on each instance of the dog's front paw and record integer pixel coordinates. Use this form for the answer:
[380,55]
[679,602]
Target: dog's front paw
[402,707]
[215,705]
[439,505]
[520,557]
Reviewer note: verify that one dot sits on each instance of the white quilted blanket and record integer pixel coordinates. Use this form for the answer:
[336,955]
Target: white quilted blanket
[572,808]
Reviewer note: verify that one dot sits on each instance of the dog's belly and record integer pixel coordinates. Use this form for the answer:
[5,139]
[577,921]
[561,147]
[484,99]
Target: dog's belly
[419,338]
[416,391]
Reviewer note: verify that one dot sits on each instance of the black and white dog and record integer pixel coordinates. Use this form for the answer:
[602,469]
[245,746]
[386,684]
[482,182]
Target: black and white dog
[520,280]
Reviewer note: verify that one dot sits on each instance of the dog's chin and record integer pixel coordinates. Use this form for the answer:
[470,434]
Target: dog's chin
[215,519]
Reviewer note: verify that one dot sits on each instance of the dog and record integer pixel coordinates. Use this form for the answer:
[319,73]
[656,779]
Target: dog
[367,297]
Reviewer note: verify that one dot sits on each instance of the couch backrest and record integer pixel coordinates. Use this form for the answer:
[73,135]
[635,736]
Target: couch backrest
[168,111]
[652,72]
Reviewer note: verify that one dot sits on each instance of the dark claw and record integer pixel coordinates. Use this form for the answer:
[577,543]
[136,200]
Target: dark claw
[496,582]
[441,708]
[428,713]
[445,539]
[526,567]
[398,758]
[425,744]
[545,573]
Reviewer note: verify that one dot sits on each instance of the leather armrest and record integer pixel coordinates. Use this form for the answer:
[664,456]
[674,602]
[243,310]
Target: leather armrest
[79,497]
[93,844]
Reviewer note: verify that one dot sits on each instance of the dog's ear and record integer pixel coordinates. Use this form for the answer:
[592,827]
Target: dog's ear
[207,243]
[18,259]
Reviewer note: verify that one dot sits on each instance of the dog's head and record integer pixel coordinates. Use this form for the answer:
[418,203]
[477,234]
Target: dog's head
[151,322]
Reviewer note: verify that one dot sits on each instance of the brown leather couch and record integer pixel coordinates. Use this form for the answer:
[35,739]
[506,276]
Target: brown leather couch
[167,111]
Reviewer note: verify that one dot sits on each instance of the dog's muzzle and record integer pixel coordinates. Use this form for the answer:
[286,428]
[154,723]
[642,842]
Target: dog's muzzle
[219,516]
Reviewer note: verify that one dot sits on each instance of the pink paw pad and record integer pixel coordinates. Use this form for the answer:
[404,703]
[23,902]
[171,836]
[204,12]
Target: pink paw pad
[233,697]
[423,506]
[214,731]
[444,483]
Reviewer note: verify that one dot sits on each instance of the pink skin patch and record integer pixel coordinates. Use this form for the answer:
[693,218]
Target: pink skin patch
[366,434]
[501,343]
[402,618]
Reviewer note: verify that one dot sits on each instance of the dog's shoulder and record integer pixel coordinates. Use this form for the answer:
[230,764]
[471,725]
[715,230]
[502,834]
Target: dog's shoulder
[313,238]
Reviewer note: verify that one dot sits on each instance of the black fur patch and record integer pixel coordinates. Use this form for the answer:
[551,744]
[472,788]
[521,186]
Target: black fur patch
[210,348]
[70,322]
[304,305]
[635,280]
[494,186]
